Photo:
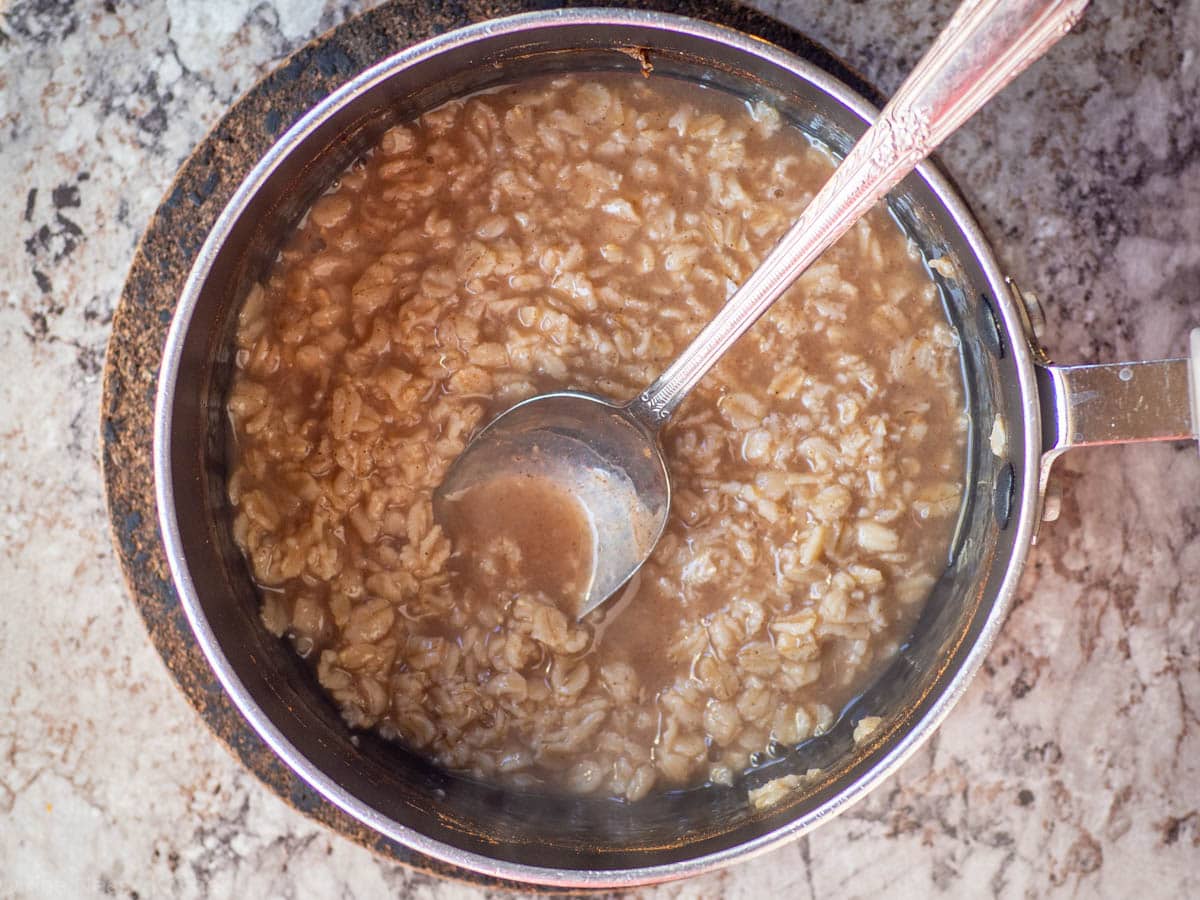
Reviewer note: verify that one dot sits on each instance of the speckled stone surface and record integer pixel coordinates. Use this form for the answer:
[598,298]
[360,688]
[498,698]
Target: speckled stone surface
[1070,768]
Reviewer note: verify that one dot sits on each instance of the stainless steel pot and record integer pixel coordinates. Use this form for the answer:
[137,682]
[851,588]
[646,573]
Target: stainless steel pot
[1023,411]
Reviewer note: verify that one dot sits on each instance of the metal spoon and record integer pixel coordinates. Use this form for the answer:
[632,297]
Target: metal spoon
[607,455]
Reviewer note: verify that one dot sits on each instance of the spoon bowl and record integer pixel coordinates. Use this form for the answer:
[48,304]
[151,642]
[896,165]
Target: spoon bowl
[584,449]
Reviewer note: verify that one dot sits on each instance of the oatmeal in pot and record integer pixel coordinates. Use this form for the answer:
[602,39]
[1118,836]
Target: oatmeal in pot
[577,233]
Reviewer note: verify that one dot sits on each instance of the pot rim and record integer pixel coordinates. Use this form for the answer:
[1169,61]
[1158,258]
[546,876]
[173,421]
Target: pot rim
[888,761]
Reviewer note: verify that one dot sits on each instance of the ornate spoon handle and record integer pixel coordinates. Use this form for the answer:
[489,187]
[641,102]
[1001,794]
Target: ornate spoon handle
[985,45]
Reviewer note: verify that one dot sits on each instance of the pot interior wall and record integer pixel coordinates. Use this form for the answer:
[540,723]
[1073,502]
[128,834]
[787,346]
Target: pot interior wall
[555,832]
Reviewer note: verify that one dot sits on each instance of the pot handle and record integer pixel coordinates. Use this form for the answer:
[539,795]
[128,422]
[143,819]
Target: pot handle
[1116,403]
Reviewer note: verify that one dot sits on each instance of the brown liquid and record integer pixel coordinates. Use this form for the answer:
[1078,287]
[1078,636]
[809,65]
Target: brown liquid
[521,533]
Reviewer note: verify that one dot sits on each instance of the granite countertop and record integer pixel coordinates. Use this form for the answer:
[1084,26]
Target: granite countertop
[1071,767]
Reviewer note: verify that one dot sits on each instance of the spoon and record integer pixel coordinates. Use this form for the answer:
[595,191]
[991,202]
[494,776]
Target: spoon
[606,456]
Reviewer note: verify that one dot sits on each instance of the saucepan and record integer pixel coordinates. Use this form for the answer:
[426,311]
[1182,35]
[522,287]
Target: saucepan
[1023,412]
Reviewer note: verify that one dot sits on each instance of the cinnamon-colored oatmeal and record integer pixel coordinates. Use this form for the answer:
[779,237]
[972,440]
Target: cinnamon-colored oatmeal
[577,233]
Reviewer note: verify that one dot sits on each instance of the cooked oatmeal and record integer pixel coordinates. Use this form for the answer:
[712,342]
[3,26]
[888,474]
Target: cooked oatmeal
[577,233]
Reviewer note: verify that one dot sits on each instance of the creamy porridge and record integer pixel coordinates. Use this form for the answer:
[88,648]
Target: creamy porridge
[577,233]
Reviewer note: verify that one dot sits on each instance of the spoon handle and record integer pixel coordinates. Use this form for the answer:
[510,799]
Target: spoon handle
[984,46]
